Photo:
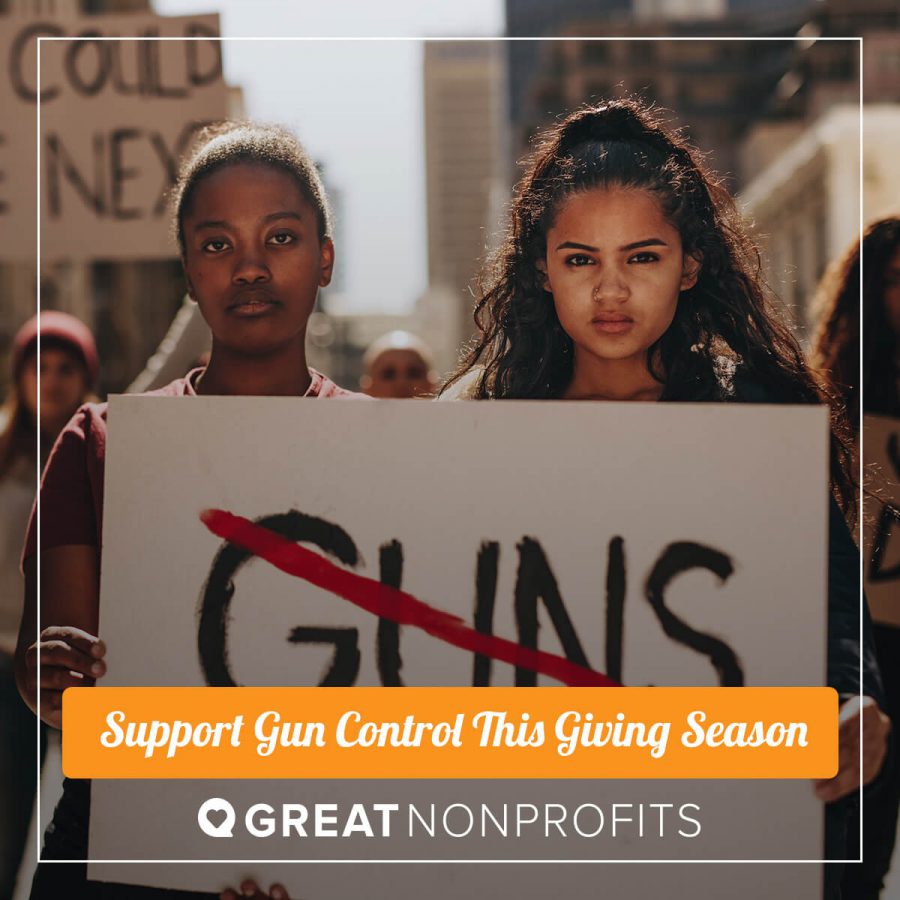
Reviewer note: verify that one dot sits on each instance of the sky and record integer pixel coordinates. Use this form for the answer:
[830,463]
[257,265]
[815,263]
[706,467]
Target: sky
[357,106]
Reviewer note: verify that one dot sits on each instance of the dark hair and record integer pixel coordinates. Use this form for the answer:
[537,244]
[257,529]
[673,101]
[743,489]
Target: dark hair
[233,143]
[836,347]
[724,324]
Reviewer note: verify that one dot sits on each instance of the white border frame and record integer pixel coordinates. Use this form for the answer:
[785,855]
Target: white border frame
[39,832]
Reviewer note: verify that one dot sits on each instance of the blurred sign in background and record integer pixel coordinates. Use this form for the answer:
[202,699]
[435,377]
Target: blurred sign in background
[418,142]
[115,118]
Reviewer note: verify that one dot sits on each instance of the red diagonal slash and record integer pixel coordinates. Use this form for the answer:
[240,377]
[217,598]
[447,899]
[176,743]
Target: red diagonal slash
[389,603]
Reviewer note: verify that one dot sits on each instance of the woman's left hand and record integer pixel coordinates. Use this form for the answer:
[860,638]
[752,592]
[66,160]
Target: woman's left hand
[876,727]
[249,888]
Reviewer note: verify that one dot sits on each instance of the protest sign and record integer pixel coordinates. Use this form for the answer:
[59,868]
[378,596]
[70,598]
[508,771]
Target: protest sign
[881,527]
[616,536]
[115,118]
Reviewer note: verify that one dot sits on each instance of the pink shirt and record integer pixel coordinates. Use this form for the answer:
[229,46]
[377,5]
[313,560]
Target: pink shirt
[72,485]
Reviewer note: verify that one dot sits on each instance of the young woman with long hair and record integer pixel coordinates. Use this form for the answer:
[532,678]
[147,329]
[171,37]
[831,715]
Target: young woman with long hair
[626,273]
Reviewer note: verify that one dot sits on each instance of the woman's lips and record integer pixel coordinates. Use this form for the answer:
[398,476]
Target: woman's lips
[612,324]
[251,306]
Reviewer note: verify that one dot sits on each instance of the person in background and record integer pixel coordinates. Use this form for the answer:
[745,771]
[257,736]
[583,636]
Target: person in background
[836,356]
[397,366]
[68,368]
[836,345]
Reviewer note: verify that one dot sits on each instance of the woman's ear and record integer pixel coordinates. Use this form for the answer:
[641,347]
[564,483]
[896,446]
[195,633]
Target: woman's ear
[326,262]
[690,270]
[543,277]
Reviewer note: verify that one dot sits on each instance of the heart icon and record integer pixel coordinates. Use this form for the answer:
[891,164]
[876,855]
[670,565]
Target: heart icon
[216,817]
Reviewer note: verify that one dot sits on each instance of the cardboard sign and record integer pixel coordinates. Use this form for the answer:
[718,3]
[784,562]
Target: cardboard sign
[881,525]
[116,117]
[610,534]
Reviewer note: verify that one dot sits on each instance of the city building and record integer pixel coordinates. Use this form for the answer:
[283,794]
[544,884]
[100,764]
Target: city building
[801,161]
[539,19]
[463,86]
[805,205]
[714,87]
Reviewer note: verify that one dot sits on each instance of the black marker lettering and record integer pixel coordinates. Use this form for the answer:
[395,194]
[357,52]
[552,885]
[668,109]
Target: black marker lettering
[615,607]
[60,166]
[119,173]
[170,161]
[485,597]
[23,89]
[197,76]
[679,557]
[535,579]
[89,82]
[345,663]
[157,87]
[390,561]
[218,592]
[117,75]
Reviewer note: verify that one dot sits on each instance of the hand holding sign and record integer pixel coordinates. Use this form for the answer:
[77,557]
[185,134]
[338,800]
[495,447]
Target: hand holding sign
[66,651]
[69,657]
[876,727]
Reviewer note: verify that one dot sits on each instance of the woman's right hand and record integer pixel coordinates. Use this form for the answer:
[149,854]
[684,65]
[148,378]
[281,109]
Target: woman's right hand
[69,657]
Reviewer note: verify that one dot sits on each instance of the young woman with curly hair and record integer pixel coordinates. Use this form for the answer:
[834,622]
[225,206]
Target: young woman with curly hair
[626,274]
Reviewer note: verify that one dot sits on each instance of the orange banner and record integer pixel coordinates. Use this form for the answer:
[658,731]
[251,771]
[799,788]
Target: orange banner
[450,733]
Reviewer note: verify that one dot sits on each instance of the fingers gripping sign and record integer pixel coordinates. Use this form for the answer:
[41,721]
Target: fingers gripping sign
[62,657]
[876,727]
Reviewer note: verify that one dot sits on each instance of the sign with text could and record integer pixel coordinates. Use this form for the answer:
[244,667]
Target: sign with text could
[116,116]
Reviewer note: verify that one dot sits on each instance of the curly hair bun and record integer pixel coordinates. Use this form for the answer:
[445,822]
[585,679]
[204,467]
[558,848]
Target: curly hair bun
[614,120]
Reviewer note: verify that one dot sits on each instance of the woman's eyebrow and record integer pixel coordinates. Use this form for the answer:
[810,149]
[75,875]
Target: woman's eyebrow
[211,223]
[285,214]
[649,242]
[271,217]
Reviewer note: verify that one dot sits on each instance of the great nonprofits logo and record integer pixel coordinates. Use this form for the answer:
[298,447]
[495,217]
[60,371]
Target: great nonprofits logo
[217,818]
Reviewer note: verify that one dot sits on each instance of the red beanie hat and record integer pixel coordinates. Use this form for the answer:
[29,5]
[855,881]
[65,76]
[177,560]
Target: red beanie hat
[63,328]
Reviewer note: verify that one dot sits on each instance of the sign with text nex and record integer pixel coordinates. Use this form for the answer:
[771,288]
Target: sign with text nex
[116,116]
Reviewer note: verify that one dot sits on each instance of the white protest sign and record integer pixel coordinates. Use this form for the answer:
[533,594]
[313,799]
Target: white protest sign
[881,528]
[116,116]
[572,509]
